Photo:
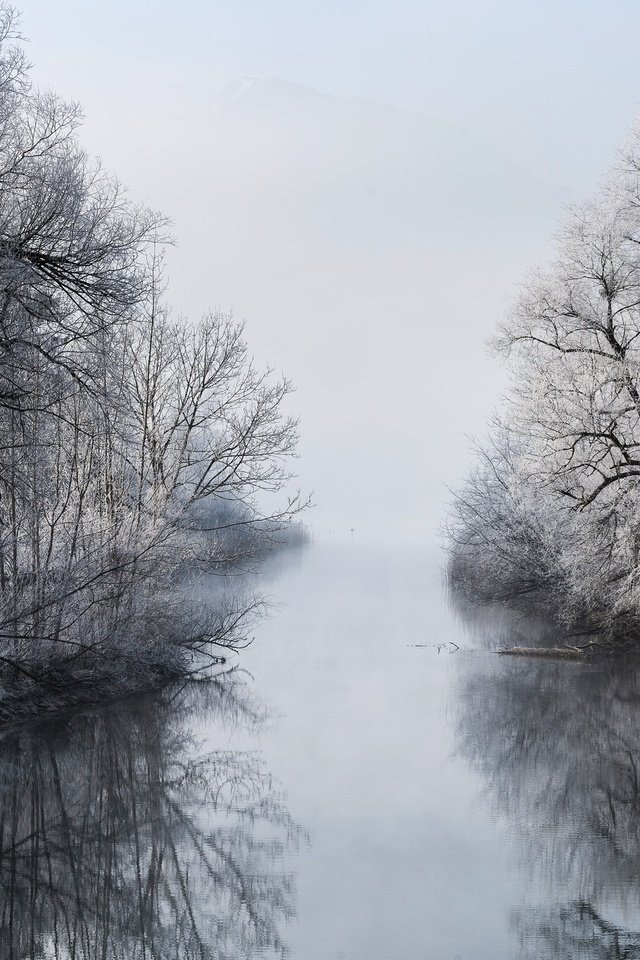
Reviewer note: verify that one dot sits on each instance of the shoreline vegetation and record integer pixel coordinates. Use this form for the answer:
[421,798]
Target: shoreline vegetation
[137,450]
[547,521]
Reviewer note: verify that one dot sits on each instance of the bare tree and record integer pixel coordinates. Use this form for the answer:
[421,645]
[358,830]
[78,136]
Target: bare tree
[133,447]
[573,415]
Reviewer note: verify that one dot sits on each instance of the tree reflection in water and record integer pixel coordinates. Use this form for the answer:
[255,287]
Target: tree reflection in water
[558,746]
[119,840]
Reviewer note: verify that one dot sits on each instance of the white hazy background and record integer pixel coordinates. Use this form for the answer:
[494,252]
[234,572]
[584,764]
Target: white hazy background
[365,184]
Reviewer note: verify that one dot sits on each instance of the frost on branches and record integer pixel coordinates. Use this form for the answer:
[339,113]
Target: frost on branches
[134,448]
[550,514]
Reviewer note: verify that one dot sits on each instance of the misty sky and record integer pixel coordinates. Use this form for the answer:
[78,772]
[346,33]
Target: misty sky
[370,250]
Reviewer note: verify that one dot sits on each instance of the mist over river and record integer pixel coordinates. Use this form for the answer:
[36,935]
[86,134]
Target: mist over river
[368,780]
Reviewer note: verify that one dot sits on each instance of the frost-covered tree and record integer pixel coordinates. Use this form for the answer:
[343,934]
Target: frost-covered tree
[136,450]
[572,479]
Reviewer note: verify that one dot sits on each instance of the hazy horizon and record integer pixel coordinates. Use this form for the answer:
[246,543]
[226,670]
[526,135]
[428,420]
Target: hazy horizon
[369,202]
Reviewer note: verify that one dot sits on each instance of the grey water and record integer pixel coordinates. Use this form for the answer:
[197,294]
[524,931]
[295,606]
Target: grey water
[368,780]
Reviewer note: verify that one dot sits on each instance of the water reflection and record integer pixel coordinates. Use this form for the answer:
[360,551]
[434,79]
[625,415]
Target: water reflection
[119,838]
[557,746]
[575,932]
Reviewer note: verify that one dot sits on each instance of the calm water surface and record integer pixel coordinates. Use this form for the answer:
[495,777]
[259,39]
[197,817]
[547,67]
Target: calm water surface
[355,789]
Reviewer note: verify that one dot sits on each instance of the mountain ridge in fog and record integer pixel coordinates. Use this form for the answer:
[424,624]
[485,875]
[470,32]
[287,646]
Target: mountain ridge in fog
[256,87]
[356,163]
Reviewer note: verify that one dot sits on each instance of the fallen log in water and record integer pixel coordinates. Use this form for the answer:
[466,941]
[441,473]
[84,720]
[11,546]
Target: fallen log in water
[554,653]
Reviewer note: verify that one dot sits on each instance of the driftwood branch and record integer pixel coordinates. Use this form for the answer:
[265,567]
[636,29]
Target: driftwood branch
[552,653]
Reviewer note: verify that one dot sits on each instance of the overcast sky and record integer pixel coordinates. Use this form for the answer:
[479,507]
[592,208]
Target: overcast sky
[370,251]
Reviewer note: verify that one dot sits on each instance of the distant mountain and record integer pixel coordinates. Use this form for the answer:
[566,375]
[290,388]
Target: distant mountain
[370,168]
[249,88]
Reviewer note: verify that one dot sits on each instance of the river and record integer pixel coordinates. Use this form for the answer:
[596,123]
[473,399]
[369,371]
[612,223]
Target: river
[367,781]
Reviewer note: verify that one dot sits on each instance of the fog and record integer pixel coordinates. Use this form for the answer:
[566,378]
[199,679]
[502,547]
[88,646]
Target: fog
[366,186]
